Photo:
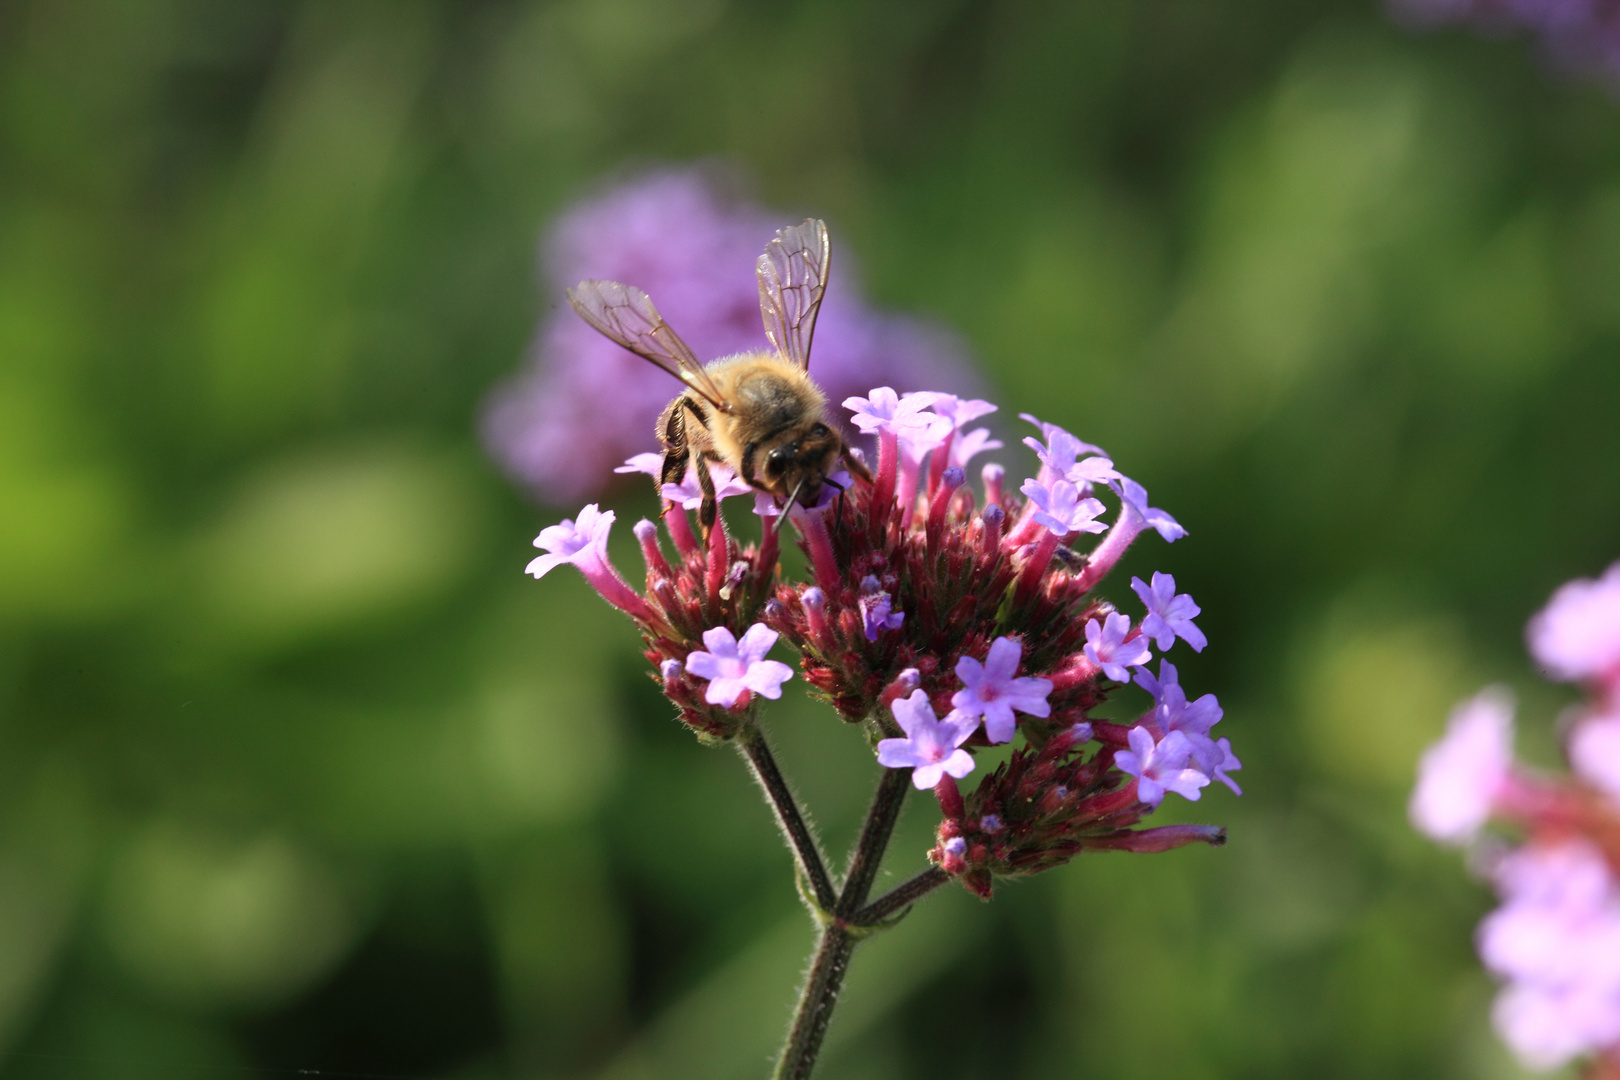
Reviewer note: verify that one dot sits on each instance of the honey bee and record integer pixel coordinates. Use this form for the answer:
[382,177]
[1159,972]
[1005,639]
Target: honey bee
[757,412]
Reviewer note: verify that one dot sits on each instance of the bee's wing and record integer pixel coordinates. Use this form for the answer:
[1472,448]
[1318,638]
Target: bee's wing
[792,276]
[626,315]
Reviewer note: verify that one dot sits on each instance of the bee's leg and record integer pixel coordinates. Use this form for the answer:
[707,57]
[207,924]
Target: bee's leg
[711,505]
[673,436]
[856,465]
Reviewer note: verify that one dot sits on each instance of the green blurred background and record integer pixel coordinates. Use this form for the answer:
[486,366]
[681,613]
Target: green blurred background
[299,771]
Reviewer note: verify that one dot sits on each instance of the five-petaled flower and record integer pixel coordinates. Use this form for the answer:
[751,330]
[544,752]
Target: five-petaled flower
[1063,509]
[1160,767]
[1111,646]
[1169,615]
[932,746]
[735,668]
[993,693]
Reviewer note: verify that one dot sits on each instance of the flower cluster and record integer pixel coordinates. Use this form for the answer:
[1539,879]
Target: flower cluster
[944,626]
[1555,940]
[584,403]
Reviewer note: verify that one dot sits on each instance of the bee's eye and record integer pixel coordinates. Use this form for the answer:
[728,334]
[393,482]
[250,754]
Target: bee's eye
[819,431]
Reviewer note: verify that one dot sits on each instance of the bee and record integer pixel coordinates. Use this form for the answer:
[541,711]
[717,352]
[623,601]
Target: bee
[757,412]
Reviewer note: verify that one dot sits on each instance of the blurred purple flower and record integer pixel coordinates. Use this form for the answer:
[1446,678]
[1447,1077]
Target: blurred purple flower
[1577,635]
[584,404]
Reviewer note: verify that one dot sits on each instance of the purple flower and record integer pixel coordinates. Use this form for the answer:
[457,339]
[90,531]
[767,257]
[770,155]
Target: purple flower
[1459,776]
[1134,499]
[969,445]
[1107,647]
[1173,712]
[651,464]
[875,609]
[1169,615]
[931,746]
[1577,635]
[993,693]
[735,668]
[960,411]
[580,542]
[689,493]
[1059,451]
[1160,767]
[583,404]
[884,410]
[1229,764]
[1594,752]
[766,505]
[1062,509]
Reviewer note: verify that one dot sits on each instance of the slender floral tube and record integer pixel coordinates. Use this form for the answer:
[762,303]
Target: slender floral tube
[680,530]
[952,479]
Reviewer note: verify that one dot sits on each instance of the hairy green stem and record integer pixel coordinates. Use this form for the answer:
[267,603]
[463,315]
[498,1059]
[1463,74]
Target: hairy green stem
[900,897]
[828,966]
[840,933]
[812,869]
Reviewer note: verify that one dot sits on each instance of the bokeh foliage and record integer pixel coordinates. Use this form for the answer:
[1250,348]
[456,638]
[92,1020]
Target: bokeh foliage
[298,771]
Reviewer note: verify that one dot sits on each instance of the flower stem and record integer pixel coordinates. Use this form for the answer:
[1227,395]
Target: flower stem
[751,740]
[901,896]
[880,819]
[841,933]
[816,1001]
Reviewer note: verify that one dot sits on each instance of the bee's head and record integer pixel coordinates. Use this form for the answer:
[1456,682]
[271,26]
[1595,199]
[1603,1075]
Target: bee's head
[801,461]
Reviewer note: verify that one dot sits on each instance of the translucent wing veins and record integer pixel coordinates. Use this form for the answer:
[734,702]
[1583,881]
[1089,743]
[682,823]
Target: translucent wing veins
[626,315]
[792,278]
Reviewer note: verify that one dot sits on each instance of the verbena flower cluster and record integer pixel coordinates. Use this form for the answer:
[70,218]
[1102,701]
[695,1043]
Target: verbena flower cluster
[1555,941]
[945,621]
[584,404]
[1577,35]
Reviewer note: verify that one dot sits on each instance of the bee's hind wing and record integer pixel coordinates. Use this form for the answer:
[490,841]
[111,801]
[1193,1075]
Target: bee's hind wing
[626,315]
[792,277]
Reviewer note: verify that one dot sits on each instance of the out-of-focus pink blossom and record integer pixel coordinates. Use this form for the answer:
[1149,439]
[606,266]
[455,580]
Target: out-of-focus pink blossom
[1459,776]
[1577,635]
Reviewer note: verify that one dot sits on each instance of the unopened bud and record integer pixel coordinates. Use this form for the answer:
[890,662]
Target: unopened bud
[994,477]
[671,670]
[990,823]
[775,610]
[900,687]
[993,517]
[815,615]
[647,535]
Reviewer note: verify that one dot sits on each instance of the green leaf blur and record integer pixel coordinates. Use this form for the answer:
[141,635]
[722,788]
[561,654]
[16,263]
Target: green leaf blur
[299,771]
